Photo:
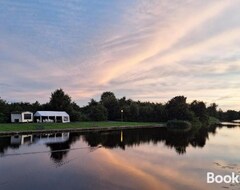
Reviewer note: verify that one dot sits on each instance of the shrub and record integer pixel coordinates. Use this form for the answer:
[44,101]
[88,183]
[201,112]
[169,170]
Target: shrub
[179,125]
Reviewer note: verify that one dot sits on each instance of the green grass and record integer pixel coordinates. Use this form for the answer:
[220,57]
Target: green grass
[73,125]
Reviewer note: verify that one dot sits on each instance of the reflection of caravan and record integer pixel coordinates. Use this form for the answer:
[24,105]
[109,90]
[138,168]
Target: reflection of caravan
[21,117]
[51,138]
[40,139]
[21,139]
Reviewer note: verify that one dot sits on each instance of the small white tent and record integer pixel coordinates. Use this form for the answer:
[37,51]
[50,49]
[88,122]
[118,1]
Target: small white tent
[52,116]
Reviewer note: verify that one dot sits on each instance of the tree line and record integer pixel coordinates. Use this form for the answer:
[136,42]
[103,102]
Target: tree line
[113,109]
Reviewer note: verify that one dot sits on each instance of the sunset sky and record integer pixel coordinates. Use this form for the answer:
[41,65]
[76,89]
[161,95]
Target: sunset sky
[148,50]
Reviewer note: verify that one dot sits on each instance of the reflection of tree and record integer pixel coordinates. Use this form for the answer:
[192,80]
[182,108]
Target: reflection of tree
[59,150]
[129,138]
[112,139]
[177,140]
[212,129]
[5,143]
[200,137]
[109,139]
[180,149]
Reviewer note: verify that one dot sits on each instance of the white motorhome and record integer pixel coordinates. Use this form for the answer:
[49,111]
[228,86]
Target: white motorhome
[21,117]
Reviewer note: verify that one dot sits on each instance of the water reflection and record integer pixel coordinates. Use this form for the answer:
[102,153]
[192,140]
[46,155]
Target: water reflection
[60,143]
[177,140]
[127,159]
[21,139]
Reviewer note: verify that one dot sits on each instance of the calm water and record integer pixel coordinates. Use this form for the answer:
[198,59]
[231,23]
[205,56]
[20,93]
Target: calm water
[128,159]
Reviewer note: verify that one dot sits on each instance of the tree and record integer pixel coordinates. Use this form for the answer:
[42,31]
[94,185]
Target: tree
[98,113]
[4,111]
[200,110]
[60,101]
[35,106]
[232,115]
[177,108]
[75,115]
[212,110]
[134,111]
[146,112]
[160,114]
[109,101]
[93,103]
[2,118]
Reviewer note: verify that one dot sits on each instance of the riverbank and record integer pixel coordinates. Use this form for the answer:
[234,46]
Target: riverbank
[230,124]
[24,128]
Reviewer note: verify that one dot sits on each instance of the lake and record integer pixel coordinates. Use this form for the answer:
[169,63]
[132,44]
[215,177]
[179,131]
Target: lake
[127,159]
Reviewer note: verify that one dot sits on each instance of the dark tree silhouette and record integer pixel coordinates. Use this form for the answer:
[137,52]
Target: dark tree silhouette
[177,108]
[59,101]
[109,101]
[200,110]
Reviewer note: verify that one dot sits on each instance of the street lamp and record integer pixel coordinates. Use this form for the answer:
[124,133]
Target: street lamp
[122,115]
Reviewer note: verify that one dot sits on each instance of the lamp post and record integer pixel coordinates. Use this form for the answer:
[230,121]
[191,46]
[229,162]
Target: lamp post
[122,115]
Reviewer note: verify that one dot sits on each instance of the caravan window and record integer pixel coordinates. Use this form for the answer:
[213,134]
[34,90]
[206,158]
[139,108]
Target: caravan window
[27,116]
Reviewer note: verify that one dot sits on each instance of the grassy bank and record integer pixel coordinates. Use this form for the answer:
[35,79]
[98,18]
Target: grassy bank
[186,125]
[77,125]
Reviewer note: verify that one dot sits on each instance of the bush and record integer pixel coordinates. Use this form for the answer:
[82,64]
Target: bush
[75,116]
[179,125]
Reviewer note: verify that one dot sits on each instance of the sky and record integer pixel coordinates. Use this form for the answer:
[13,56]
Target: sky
[148,50]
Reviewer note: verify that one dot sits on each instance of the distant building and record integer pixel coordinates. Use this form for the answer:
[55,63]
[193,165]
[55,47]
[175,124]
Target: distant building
[21,117]
[51,116]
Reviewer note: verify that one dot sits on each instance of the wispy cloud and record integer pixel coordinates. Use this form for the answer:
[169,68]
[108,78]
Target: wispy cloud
[146,50]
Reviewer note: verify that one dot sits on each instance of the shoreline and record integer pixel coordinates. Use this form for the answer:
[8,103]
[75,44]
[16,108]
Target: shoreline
[87,129]
[229,124]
